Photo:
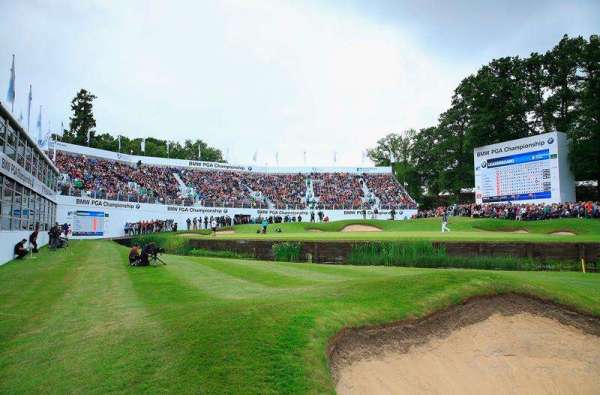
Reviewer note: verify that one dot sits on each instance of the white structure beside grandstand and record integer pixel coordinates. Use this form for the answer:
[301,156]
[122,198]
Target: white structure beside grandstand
[27,182]
[97,213]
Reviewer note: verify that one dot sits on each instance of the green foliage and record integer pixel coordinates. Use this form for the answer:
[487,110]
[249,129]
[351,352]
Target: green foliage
[287,251]
[172,245]
[217,254]
[424,254]
[83,122]
[508,98]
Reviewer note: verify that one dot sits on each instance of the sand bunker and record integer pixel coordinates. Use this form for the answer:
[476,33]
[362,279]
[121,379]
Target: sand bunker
[360,228]
[518,231]
[225,232]
[315,230]
[563,233]
[508,344]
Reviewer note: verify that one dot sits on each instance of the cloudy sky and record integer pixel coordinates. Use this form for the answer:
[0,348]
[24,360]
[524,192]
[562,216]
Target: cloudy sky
[268,76]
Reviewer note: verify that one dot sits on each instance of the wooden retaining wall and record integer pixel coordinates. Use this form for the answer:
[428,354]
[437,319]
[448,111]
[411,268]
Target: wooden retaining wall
[337,251]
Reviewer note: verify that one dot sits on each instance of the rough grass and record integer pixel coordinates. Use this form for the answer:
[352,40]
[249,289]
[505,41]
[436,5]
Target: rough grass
[462,229]
[81,321]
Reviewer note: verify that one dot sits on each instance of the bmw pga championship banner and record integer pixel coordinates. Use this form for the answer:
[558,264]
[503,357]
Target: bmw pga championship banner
[533,169]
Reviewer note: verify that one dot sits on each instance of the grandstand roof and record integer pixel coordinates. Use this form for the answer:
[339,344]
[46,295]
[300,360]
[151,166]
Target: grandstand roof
[17,126]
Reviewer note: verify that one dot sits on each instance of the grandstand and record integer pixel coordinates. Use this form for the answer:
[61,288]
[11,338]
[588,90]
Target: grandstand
[170,182]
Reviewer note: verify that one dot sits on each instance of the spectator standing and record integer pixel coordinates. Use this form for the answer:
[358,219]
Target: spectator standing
[33,238]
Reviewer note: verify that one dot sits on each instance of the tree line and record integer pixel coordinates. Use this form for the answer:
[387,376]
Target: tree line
[506,99]
[82,131]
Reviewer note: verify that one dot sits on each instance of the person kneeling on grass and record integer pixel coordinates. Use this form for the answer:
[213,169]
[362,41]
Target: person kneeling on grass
[20,250]
[134,255]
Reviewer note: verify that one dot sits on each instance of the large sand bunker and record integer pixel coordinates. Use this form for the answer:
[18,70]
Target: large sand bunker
[507,344]
[360,228]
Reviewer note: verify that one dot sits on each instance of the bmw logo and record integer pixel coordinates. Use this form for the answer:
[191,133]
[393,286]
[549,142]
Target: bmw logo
[225,211]
[484,164]
[249,168]
[137,205]
[550,140]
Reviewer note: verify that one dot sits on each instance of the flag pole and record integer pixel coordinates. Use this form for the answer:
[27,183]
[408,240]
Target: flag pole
[29,108]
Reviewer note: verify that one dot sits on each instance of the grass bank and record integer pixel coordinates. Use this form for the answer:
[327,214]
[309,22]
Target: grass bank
[81,321]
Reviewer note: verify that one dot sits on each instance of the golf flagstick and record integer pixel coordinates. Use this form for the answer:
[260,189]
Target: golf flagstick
[31,252]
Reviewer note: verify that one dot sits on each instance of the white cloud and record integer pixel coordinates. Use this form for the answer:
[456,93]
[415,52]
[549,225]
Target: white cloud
[268,76]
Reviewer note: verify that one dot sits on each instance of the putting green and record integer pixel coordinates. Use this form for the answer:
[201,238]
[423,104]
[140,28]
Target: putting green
[462,229]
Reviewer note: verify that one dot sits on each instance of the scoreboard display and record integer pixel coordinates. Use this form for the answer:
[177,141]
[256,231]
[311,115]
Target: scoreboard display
[529,170]
[88,223]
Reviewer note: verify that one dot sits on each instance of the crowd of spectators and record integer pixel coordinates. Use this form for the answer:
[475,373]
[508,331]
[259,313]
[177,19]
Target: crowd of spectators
[337,190]
[115,180]
[388,190]
[218,188]
[152,226]
[519,212]
[199,223]
[283,190]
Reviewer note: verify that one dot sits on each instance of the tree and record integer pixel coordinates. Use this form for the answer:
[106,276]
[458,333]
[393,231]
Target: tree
[506,99]
[585,138]
[82,122]
[392,148]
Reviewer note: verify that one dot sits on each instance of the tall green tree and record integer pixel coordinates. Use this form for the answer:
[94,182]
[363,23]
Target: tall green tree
[506,99]
[585,138]
[82,122]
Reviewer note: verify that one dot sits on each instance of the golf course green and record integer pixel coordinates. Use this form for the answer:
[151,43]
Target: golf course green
[80,320]
[462,229]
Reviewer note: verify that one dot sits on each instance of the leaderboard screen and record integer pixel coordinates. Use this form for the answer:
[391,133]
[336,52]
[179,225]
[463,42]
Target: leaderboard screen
[88,223]
[523,170]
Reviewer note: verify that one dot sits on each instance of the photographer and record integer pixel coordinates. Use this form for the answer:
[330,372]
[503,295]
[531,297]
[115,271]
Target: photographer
[134,255]
[150,252]
[20,250]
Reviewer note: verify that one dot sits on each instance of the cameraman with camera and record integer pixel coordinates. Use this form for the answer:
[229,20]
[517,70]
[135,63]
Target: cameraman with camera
[148,255]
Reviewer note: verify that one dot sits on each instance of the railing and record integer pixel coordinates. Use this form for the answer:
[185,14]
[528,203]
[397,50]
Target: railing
[137,198]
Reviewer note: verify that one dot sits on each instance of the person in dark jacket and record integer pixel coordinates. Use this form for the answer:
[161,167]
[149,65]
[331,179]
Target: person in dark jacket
[33,238]
[20,250]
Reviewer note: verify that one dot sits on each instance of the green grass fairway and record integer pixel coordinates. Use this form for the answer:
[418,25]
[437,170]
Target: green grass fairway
[462,229]
[82,321]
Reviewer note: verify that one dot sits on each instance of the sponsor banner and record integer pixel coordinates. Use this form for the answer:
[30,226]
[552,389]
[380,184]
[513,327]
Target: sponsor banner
[111,216]
[12,169]
[148,160]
